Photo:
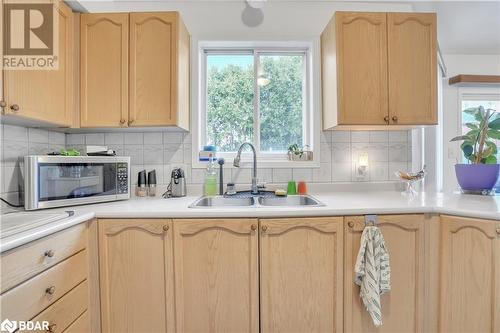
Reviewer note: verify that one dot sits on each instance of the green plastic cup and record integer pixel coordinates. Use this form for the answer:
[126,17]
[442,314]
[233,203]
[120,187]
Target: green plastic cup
[292,188]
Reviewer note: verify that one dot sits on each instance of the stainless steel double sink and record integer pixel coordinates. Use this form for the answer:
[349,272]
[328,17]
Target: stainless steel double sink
[256,201]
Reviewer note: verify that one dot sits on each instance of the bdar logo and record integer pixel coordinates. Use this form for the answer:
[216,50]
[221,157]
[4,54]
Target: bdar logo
[8,326]
[29,29]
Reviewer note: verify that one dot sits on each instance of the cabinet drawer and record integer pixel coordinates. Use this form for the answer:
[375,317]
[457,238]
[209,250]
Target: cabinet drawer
[65,311]
[24,262]
[31,297]
[81,325]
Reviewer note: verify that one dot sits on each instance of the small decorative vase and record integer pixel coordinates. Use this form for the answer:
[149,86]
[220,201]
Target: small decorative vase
[477,177]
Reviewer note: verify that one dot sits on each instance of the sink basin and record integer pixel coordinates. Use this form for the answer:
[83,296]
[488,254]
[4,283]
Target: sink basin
[220,201]
[290,201]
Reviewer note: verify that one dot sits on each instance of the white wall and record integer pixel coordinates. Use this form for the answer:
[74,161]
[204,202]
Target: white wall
[459,64]
[222,20]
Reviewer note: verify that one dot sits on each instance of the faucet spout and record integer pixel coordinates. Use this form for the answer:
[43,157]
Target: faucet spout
[236,163]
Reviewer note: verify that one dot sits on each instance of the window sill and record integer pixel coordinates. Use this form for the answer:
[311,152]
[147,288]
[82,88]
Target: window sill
[268,164]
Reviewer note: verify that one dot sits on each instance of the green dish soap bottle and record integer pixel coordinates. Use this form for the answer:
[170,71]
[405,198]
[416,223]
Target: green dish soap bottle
[210,188]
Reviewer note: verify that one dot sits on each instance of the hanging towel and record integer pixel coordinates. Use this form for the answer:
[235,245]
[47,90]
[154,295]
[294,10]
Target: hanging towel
[372,271]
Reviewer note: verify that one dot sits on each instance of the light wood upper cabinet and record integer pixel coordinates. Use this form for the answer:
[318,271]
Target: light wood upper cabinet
[362,68]
[216,275]
[134,70]
[301,274]
[136,277]
[412,50]
[104,70]
[410,306]
[379,69]
[45,95]
[470,280]
[159,68]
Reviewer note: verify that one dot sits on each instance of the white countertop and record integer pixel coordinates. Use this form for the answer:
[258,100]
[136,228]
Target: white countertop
[336,204]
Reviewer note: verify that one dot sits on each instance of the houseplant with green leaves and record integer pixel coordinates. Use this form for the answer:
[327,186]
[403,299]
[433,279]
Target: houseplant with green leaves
[480,150]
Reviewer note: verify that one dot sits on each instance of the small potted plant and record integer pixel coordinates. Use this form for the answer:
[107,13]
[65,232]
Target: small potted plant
[478,146]
[295,153]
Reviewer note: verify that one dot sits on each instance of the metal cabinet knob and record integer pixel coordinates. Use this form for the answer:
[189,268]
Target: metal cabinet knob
[498,231]
[166,227]
[130,121]
[51,328]
[386,119]
[253,227]
[3,104]
[350,224]
[49,253]
[14,107]
[394,119]
[50,290]
[122,121]
[264,228]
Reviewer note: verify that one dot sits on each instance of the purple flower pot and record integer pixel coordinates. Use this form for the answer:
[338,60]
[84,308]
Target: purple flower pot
[477,177]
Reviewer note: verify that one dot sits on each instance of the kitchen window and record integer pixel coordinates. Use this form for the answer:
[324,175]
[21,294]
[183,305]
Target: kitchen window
[474,97]
[258,94]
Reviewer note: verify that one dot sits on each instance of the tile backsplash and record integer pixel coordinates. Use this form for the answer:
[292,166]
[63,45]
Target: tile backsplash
[388,151]
[17,141]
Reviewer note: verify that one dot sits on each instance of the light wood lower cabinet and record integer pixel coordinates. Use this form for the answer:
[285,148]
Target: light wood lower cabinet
[470,278]
[136,275]
[216,275]
[301,274]
[410,306]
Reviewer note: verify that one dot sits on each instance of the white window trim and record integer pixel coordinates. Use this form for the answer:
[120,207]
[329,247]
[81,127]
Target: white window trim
[313,120]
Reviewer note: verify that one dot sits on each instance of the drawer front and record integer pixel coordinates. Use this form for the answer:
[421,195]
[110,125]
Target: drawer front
[81,325]
[66,310]
[24,262]
[26,300]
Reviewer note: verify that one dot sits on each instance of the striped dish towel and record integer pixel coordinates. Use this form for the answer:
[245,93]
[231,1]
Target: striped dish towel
[373,271]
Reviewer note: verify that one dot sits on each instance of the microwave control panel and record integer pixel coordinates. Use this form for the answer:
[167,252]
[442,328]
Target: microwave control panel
[122,178]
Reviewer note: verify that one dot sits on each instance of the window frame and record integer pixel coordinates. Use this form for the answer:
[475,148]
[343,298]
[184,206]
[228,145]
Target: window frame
[310,100]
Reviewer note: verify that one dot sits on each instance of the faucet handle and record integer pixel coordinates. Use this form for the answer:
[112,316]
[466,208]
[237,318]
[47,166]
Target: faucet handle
[261,185]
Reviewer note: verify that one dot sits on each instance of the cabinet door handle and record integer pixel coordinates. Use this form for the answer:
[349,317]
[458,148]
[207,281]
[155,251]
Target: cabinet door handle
[49,253]
[122,121]
[166,227]
[386,119]
[3,104]
[14,107]
[350,224]
[498,231]
[264,228]
[130,121]
[50,290]
[253,227]
[395,119]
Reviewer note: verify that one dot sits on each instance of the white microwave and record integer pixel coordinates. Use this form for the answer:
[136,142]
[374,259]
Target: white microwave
[57,181]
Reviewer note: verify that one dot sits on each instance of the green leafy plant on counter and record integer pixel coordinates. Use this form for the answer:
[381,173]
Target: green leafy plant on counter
[69,152]
[478,144]
[296,150]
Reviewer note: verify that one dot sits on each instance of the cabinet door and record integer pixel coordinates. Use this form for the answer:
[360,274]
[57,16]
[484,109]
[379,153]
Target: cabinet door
[153,74]
[301,274]
[412,52]
[104,70]
[362,68]
[45,95]
[470,285]
[216,275]
[136,275]
[403,307]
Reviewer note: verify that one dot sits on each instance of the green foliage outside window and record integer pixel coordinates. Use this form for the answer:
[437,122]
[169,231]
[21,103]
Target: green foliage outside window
[230,98]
